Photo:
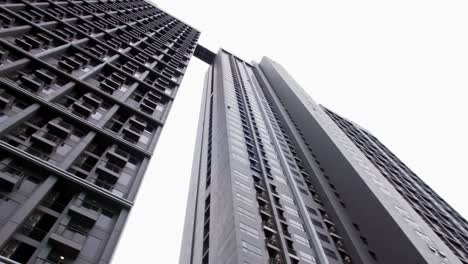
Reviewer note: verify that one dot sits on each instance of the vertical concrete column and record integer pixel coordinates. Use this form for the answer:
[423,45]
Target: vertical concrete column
[18,119]
[24,210]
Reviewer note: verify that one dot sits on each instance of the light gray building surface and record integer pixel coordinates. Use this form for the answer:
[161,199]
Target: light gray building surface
[85,89]
[278,178]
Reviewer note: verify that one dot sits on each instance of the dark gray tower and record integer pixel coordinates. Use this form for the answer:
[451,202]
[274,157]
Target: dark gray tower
[278,179]
[85,88]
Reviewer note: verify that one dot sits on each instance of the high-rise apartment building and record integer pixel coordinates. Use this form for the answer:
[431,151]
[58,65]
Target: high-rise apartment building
[279,179]
[85,88]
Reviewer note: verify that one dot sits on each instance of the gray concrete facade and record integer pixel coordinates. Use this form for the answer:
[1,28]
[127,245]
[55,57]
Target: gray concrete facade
[85,88]
[277,178]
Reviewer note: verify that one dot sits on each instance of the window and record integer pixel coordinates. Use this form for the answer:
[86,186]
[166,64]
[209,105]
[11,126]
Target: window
[303,191]
[287,198]
[323,237]
[235,130]
[239,158]
[234,141]
[238,150]
[296,224]
[280,179]
[144,139]
[312,211]
[249,230]
[246,213]
[301,240]
[291,211]
[307,258]
[242,186]
[244,198]
[241,175]
[317,223]
[330,253]
[249,248]
[234,135]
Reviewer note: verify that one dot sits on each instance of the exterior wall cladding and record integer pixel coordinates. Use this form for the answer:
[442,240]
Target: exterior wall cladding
[280,179]
[85,88]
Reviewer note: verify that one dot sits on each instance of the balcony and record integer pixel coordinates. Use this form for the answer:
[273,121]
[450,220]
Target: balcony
[108,172]
[268,223]
[8,181]
[67,240]
[146,108]
[137,122]
[83,215]
[91,99]
[276,260]
[107,88]
[118,157]
[5,99]
[45,76]
[72,63]
[262,196]
[335,236]
[3,54]
[10,176]
[83,108]
[273,240]
[154,97]
[59,128]
[130,134]
[32,82]
[46,141]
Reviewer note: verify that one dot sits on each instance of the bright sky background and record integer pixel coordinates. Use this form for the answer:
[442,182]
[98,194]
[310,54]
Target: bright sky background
[398,68]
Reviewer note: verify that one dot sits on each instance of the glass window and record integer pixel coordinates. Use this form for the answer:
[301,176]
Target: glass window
[239,158]
[291,211]
[296,224]
[124,178]
[246,213]
[249,230]
[244,199]
[287,198]
[301,240]
[143,139]
[241,175]
[307,258]
[242,186]
[249,248]
[280,179]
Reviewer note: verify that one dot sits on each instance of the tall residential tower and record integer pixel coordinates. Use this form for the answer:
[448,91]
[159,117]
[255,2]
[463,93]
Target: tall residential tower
[85,88]
[279,179]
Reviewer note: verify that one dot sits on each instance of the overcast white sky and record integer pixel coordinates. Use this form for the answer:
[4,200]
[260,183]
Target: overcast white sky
[397,68]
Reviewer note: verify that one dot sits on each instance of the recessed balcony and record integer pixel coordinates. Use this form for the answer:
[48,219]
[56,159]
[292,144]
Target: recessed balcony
[146,108]
[130,134]
[108,172]
[3,55]
[32,82]
[45,140]
[106,87]
[83,108]
[45,76]
[154,97]
[59,128]
[5,99]
[138,123]
[92,99]
[67,241]
[83,215]
[9,180]
[118,157]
